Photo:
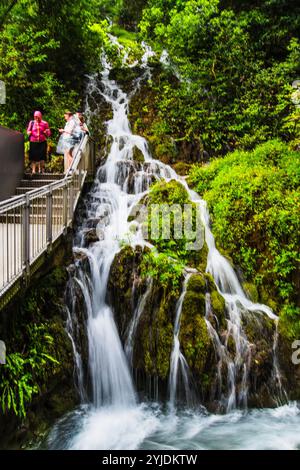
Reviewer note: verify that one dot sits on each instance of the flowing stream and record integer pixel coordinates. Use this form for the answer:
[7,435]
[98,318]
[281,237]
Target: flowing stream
[115,419]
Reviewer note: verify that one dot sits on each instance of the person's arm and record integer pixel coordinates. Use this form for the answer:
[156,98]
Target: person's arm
[47,130]
[29,128]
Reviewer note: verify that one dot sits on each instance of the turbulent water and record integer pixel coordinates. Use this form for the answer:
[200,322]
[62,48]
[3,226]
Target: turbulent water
[115,419]
[146,426]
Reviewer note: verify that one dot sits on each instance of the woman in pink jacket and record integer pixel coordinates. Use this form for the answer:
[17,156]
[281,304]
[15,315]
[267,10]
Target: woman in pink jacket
[38,131]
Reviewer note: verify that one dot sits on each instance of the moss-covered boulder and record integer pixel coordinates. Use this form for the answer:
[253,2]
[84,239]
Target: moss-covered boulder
[204,314]
[251,291]
[153,347]
[137,155]
[125,285]
[195,340]
[153,339]
[181,168]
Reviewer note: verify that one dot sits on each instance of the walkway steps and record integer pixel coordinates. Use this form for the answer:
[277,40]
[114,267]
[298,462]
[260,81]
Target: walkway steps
[38,180]
[41,176]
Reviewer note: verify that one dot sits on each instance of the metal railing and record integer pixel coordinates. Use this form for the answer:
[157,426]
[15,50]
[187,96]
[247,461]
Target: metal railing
[32,222]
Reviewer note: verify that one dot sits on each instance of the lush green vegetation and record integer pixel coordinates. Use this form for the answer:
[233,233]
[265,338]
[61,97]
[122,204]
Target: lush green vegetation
[46,48]
[38,350]
[254,200]
[228,84]
[23,372]
[235,63]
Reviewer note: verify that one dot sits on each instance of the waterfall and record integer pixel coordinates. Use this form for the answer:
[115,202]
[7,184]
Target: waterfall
[120,184]
[281,396]
[110,416]
[110,202]
[129,344]
[178,364]
[238,306]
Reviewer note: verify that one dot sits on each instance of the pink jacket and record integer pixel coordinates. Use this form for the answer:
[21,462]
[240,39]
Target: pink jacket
[39,131]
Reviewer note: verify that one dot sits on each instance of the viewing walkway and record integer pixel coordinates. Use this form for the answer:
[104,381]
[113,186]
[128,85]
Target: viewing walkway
[33,221]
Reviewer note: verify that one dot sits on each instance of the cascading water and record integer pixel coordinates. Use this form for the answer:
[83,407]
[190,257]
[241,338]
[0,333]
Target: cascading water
[135,320]
[112,204]
[237,306]
[178,364]
[115,420]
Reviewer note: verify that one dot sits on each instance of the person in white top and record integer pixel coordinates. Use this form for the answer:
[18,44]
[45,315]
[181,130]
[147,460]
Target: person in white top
[69,140]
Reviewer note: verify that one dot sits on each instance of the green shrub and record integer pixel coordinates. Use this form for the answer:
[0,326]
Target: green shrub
[254,200]
[164,269]
[22,373]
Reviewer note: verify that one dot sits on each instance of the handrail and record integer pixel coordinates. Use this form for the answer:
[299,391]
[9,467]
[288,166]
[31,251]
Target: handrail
[4,205]
[31,222]
[77,156]
[17,200]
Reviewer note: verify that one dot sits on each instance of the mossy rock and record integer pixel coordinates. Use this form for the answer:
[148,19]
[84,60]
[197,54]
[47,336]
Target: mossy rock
[265,297]
[201,258]
[218,304]
[194,338]
[181,168]
[137,212]
[124,275]
[251,290]
[259,325]
[197,283]
[153,347]
[171,192]
[210,283]
[125,76]
[137,155]
[193,304]
[164,342]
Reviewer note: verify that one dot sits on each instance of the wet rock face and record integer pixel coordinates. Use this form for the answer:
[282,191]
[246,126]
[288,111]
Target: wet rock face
[153,341]
[134,176]
[125,285]
[194,338]
[90,236]
[260,331]
[93,222]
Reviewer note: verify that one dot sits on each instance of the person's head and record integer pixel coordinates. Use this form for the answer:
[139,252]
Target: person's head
[37,116]
[67,115]
[79,114]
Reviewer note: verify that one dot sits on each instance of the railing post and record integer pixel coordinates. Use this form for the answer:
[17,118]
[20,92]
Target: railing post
[49,210]
[65,208]
[93,156]
[26,237]
[71,197]
[80,175]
